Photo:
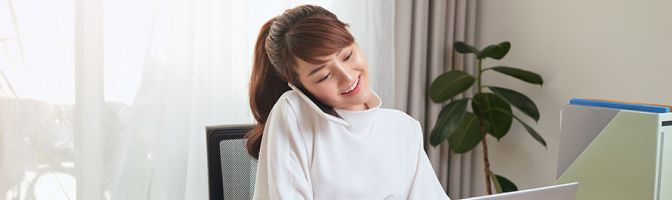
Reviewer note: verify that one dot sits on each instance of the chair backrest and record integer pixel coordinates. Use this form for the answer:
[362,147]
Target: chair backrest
[231,171]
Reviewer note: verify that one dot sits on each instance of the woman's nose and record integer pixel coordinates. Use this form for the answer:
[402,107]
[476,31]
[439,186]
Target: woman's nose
[344,74]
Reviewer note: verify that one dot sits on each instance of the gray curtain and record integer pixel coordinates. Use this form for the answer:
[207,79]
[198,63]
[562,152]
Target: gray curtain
[424,34]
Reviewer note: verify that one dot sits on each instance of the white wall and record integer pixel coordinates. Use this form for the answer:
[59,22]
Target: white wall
[617,49]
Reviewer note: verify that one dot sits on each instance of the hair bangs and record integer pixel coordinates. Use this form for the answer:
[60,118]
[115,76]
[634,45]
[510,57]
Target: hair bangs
[316,37]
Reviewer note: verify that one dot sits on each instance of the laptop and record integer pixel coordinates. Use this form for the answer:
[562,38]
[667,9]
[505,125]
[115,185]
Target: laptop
[554,192]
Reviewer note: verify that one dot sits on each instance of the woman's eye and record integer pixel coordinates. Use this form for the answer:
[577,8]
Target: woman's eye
[324,78]
[348,58]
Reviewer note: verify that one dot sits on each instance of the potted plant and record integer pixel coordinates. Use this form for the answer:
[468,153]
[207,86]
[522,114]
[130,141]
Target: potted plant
[491,112]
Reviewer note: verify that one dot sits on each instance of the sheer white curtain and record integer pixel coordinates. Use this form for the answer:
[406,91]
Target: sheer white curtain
[108,99]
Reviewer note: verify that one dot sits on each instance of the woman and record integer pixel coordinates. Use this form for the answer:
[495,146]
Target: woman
[320,132]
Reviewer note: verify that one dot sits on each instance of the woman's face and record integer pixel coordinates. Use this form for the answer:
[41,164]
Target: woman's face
[342,81]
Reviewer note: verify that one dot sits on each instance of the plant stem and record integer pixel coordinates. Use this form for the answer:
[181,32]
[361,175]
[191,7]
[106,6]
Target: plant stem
[486,162]
[478,76]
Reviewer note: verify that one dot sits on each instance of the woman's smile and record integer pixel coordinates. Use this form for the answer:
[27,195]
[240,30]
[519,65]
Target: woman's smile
[353,89]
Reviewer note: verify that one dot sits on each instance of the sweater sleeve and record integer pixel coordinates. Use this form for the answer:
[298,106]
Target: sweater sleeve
[283,164]
[425,183]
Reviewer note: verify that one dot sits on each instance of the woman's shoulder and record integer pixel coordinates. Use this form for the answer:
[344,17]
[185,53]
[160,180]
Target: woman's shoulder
[397,115]
[283,120]
[304,109]
[401,120]
[289,96]
[291,108]
[402,125]
[290,99]
[293,99]
[286,105]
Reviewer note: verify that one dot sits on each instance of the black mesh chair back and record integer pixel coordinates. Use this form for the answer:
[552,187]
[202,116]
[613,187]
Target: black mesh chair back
[231,171]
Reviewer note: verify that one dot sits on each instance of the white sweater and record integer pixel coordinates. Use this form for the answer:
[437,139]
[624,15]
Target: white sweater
[371,154]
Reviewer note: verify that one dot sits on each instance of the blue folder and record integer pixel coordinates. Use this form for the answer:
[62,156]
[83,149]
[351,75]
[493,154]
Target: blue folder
[618,105]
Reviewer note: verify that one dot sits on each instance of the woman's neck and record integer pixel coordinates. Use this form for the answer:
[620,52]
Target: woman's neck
[361,107]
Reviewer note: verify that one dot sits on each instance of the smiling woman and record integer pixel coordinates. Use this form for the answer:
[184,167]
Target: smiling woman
[321,132]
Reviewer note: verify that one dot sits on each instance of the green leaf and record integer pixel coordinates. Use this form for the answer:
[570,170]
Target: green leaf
[495,51]
[505,184]
[518,100]
[506,46]
[532,132]
[467,135]
[449,84]
[449,119]
[464,48]
[495,111]
[523,75]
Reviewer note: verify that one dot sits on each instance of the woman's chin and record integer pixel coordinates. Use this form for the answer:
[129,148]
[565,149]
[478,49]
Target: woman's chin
[357,102]
[364,95]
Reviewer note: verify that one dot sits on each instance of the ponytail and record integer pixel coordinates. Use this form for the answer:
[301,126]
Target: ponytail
[266,87]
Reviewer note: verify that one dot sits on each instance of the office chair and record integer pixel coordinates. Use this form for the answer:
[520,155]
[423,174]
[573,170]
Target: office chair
[231,171]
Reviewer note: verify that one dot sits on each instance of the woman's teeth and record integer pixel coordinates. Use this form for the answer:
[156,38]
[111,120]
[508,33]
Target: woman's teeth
[352,87]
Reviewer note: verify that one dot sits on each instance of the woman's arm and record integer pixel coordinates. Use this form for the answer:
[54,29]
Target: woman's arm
[425,183]
[283,164]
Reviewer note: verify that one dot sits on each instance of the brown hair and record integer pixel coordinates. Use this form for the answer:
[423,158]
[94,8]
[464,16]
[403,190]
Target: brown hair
[306,32]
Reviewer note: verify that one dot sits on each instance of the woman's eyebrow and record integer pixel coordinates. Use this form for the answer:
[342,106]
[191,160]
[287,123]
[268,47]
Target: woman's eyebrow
[317,69]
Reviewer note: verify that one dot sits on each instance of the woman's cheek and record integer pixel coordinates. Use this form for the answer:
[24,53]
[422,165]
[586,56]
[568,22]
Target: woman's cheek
[325,92]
